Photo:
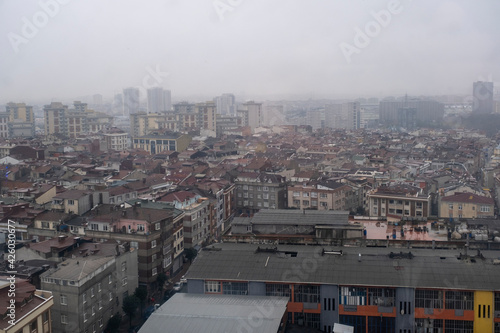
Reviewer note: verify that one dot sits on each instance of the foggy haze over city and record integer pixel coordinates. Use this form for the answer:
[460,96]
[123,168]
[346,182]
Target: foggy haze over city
[59,50]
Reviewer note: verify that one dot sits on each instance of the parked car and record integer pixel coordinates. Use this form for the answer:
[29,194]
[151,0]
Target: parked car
[177,286]
[184,280]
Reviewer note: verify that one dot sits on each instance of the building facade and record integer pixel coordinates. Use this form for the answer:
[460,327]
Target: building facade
[370,289]
[398,201]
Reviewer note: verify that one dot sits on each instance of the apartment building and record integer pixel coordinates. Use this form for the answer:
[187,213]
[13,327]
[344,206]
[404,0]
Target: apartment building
[400,201]
[256,191]
[155,143]
[32,307]
[466,205]
[197,216]
[146,229]
[90,288]
[327,196]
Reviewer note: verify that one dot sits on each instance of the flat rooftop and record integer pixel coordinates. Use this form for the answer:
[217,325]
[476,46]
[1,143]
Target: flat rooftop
[363,266]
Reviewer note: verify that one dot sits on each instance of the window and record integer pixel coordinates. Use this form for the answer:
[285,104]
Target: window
[153,257]
[157,226]
[459,300]
[460,206]
[419,205]
[140,227]
[124,266]
[99,304]
[323,195]
[458,326]
[212,287]
[235,288]
[92,292]
[45,317]
[265,188]
[64,300]
[154,271]
[93,310]
[99,286]
[450,206]
[305,194]
[485,209]
[124,281]
[375,201]
[153,244]
[352,296]
[276,289]
[64,319]
[110,297]
[84,297]
[71,202]
[85,316]
[99,322]
[381,296]
[306,294]
[305,202]
[429,299]
[167,261]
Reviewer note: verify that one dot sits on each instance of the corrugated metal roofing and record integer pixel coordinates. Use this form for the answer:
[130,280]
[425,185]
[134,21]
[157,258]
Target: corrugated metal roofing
[427,268]
[217,314]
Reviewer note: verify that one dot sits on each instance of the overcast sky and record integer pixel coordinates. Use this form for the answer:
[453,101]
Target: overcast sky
[252,48]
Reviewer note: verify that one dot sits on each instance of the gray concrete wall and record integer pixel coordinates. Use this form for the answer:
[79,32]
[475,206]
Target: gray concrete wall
[195,286]
[257,288]
[405,315]
[329,295]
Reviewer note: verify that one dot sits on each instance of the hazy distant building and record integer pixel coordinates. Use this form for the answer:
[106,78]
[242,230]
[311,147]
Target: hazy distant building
[369,115]
[482,93]
[315,118]
[77,122]
[352,109]
[427,112]
[156,100]
[21,120]
[273,115]
[333,116]
[167,98]
[251,113]
[407,118]
[4,119]
[131,101]
[55,118]
[97,99]
[226,104]
[118,104]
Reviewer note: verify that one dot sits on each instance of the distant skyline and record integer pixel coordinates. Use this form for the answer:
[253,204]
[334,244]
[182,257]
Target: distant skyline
[55,50]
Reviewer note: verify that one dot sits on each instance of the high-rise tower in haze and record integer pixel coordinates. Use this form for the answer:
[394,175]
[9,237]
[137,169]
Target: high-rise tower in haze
[226,104]
[131,101]
[156,100]
[482,93]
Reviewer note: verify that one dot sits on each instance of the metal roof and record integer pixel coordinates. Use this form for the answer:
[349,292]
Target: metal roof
[217,314]
[305,264]
[296,217]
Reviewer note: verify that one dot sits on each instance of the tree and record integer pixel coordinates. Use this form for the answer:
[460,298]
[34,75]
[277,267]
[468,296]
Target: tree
[141,293]
[161,280]
[114,323]
[130,305]
[190,254]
